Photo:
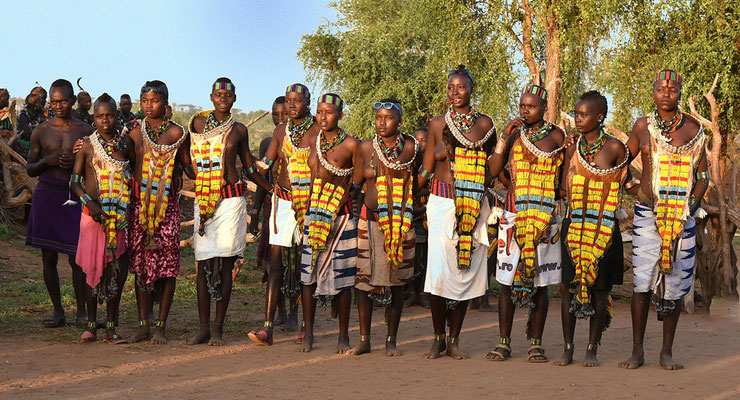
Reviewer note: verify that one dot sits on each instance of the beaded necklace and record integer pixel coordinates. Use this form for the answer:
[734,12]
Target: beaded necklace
[298,131]
[112,146]
[668,127]
[464,121]
[589,151]
[392,153]
[392,164]
[212,123]
[326,145]
[153,133]
[539,134]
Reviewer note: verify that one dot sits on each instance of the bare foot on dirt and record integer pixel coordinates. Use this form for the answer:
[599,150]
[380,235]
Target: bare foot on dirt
[453,350]
[159,336]
[437,350]
[391,350]
[637,359]
[142,334]
[291,324]
[565,359]
[666,359]
[203,335]
[590,359]
[362,348]
[307,344]
[217,335]
[343,345]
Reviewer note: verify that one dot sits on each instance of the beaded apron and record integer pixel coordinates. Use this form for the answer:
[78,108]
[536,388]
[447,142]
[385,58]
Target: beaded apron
[534,173]
[593,198]
[329,192]
[672,181]
[114,191]
[206,150]
[156,181]
[393,181]
[300,176]
[468,170]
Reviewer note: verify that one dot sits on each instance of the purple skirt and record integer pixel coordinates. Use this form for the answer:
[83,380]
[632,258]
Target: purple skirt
[52,225]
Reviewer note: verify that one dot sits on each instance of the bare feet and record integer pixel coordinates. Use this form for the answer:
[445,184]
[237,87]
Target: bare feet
[203,335]
[142,334]
[160,336]
[343,344]
[291,324]
[280,319]
[566,358]
[56,321]
[590,359]
[362,348]
[438,347]
[453,349]
[637,359]
[217,335]
[390,348]
[307,344]
[666,359]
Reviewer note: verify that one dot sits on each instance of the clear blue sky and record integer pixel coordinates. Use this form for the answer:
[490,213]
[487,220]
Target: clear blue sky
[117,45]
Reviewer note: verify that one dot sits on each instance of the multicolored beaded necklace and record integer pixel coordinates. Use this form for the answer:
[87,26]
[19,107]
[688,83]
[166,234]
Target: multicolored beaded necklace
[212,123]
[668,127]
[298,131]
[539,134]
[112,146]
[153,133]
[393,152]
[589,151]
[464,121]
[326,145]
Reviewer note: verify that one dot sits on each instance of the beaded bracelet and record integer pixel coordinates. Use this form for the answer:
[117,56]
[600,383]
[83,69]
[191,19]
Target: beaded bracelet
[250,170]
[74,178]
[267,161]
[85,198]
[424,173]
[702,176]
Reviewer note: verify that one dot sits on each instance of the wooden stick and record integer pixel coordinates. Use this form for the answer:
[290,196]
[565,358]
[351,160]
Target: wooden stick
[5,147]
[256,119]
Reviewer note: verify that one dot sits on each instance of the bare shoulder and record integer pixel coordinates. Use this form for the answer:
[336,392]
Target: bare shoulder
[558,135]
[615,146]
[485,122]
[199,123]
[240,129]
[351,143]
[135,133]
[640,125]
[366,146]
[279,131]
[692,125]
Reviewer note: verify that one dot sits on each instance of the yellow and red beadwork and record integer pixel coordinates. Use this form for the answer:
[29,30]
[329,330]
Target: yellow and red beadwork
[207,157]
[114,180]
[675,170]
[394,214]
[160,176]
[300,177]
[470,175]
[534,194]
[325,199]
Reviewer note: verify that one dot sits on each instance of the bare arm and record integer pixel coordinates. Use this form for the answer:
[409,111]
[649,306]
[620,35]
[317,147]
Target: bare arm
[248,162]
[429,162]
[498,160]
[37,164]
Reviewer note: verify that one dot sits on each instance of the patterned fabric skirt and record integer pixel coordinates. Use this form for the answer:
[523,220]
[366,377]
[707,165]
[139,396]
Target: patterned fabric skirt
[162,261]
[374,272]
[333,269]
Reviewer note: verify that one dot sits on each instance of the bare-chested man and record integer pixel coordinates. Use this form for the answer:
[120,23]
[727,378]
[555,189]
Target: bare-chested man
[102,182]
[154,228]
[220,207]
[53,226]
[329,262]
[674,180]
[291,146]
[529,253]
[385,236]
[289,320]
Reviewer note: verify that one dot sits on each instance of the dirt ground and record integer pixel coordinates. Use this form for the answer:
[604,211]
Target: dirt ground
[38,363]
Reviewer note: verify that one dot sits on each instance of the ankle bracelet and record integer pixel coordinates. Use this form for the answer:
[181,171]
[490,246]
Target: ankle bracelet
[364,338]
[390,339]
[91,326]
[268,324]
[439,338]
[505,340]
[592,347]
[160,324]
[535,342]
[453,340]
[569,346]
[144,322]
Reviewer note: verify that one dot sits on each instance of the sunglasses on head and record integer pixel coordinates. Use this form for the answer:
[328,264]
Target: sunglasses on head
[387,105]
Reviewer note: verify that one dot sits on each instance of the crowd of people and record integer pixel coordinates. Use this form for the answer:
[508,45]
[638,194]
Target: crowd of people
[424,219]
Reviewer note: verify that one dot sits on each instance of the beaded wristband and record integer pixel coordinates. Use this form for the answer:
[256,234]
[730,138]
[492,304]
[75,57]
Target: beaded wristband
[74,178]
[250,170]
[85,198]
[702,176]
[268,162]
[424,173]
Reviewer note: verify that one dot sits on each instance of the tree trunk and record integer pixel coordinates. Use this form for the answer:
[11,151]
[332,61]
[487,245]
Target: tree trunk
[552,71]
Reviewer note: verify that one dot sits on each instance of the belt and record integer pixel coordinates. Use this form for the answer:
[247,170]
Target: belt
[235,190]
[441,189]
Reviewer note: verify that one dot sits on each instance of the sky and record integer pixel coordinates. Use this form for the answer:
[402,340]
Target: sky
[116,46]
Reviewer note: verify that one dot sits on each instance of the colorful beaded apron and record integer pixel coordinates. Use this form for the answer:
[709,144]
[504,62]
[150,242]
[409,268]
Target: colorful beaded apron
[468,169]
[156,181]
[672,181]
[593,198]
[534,174]
[114,190]
[329,192]
[299,174]
[206,150]
[393,181]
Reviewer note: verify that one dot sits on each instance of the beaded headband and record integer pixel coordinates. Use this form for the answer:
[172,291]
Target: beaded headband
[536,90]
[667,75]
[299,88]
[3,91]
[33,99]
[37,90]
[332,99]
[224,86]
